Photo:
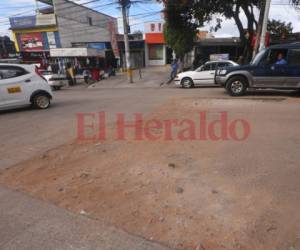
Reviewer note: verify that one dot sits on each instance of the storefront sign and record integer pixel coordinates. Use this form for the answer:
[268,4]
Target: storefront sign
[100,45]
[32,21]
[22,22]
[154,38]
[51,40]
[76,52]
[31,42]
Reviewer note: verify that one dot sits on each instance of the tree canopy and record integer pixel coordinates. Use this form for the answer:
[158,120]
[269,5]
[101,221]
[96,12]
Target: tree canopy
[179,29]
[276,27]
[184,17]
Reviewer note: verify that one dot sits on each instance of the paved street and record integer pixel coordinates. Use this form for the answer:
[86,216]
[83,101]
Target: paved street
[27,223]
[233,194]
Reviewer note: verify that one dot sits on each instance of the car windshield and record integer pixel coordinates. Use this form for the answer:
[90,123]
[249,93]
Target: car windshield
[258,57]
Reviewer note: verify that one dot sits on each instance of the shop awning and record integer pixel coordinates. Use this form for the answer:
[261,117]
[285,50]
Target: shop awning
[76,52]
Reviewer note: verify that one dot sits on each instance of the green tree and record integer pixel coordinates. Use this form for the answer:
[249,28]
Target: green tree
[183,17]
[276,27]
[180,29]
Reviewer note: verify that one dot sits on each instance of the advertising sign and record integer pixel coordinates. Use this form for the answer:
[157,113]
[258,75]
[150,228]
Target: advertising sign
[76,52]
[31,42]
[22,22]
[113,38]
[51,40]
[32,21]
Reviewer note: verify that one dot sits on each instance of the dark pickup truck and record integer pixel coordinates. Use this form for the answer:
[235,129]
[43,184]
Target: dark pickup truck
[277,67]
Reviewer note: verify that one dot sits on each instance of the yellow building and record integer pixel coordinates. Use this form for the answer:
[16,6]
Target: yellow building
[34,36]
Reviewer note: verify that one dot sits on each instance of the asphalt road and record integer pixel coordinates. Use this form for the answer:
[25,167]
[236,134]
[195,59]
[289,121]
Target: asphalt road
[27,132]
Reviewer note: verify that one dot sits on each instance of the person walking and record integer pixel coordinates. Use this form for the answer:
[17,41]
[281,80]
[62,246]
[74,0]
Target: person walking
[73,75]
[174,69]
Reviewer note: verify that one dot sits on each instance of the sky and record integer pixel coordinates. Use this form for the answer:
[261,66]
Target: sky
[144,12]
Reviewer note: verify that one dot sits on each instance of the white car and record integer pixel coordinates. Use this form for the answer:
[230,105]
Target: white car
[56,81]
[204,75]
[21,85]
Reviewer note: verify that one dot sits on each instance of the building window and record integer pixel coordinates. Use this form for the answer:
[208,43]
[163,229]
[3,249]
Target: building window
[90,21]
[156,52]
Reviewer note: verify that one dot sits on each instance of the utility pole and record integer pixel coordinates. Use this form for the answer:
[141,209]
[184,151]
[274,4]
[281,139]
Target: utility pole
[124,5]
[265,25]
[259,28]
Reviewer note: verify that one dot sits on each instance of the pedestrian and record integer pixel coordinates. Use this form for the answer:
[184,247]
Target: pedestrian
[86,75]
[174,69]
[68,76]
[71,73]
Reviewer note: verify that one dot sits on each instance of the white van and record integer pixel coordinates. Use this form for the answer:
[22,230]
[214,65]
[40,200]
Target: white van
[21,85]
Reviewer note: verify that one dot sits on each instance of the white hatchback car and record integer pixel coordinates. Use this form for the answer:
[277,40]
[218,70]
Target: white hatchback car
[21,85]
[203,76]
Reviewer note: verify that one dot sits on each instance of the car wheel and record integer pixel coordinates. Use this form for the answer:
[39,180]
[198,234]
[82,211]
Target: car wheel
[41,101]
[187,83]
[237,86]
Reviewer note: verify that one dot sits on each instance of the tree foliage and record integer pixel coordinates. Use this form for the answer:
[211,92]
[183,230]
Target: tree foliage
[183,17]
[179,28]
[276,27]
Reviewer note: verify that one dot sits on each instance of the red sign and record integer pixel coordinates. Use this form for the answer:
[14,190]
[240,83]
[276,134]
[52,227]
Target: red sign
[31,42]
[155,38]
[267,43]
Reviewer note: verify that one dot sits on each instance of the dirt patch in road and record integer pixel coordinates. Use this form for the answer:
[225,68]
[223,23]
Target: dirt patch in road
[187,194]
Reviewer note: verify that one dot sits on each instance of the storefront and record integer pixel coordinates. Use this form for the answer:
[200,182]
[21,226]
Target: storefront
[34,36]
[137,54]
[155,47]
[78,57]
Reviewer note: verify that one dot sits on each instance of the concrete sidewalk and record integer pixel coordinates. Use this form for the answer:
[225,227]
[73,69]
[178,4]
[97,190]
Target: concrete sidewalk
[152,77]
[27,223]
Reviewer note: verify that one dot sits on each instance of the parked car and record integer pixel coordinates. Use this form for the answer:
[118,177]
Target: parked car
[277,67]
[56,81]
[21,85]
[204,75]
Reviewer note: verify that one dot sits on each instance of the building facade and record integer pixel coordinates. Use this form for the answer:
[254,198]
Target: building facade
[156,52]
[137,50]
[63,24]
